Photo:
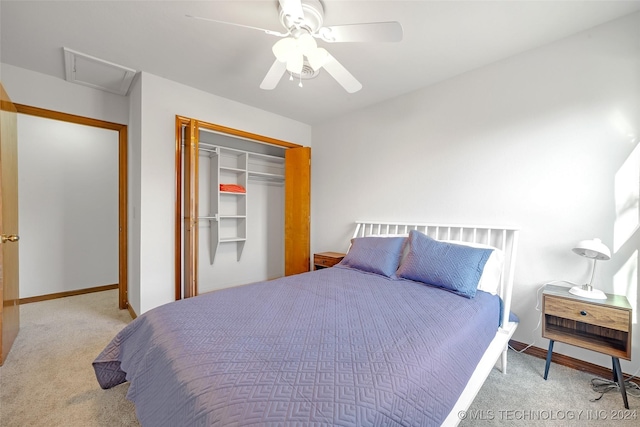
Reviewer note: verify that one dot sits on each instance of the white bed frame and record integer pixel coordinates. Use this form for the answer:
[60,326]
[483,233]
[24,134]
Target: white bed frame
[503,238]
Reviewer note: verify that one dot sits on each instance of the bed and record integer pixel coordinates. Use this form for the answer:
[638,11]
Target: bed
[368,342]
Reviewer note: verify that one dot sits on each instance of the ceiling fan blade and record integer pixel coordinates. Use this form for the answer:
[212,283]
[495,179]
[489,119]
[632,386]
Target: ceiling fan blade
[341,74]
[273,76]
[370,32]
[293,8]
[273,33]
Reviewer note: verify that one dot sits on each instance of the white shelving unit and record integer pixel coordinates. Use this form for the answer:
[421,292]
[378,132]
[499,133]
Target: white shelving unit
[228,210]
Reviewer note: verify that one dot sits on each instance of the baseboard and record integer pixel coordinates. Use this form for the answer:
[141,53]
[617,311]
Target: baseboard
[67,294]
[570,362]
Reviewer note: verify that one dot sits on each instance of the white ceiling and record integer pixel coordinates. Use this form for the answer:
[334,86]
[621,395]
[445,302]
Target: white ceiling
[442,39]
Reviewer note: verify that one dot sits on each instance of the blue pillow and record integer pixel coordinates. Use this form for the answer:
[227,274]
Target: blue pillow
[379,255]
[454,267]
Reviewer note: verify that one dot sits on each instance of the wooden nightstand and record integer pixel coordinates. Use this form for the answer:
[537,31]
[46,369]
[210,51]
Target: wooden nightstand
[326,259]
[599,325]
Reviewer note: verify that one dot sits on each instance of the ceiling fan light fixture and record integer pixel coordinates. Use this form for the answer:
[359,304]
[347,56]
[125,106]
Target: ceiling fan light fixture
[306,43]
[317,58]
[298,53]
[306,73]
[283,48]
[294,63]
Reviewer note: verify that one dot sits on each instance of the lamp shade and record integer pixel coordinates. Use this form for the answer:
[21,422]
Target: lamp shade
[292,51]
[284,48]
[317,58]
[593,249]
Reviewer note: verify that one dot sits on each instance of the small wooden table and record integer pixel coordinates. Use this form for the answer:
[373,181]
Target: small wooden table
[326,259]
[599,325]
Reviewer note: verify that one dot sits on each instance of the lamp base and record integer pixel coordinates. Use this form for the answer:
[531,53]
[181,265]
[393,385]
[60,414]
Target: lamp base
[584,293]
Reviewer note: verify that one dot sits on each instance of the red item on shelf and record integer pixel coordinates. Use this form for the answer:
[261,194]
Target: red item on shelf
[232,188]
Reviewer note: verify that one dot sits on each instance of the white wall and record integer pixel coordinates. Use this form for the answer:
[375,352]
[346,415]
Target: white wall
[161,100]
[68,206]
[40,90]
[533,141]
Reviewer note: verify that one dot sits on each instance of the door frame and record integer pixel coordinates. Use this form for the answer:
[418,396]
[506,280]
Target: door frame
[123,300]
[186,209]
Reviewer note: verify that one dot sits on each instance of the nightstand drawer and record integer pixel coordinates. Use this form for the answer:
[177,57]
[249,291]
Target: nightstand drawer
[580,311]
[326,262]
[327,259]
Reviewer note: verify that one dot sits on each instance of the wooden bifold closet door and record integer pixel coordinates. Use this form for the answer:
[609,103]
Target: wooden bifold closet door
[297,212]
[297,184]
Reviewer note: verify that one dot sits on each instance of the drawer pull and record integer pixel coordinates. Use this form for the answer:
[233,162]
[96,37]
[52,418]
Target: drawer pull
[583,313]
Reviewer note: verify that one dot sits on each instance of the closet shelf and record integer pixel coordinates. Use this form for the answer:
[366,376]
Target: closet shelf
[228,209]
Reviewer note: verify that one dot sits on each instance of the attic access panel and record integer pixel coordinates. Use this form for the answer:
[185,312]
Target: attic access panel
[97,73]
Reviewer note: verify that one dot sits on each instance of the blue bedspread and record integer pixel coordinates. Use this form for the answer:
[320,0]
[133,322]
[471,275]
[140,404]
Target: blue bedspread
[330,347]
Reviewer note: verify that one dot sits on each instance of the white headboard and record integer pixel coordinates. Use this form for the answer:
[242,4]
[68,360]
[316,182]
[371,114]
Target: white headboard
[503,238]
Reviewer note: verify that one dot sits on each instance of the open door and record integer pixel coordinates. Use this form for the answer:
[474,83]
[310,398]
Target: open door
[10,310]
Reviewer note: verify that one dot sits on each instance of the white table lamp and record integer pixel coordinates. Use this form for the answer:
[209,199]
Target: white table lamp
[597,251]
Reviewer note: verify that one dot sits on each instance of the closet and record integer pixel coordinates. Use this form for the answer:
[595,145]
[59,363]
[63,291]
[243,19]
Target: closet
[242,208]
[229,173]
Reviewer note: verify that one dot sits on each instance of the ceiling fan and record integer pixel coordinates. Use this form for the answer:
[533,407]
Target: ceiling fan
[297,51]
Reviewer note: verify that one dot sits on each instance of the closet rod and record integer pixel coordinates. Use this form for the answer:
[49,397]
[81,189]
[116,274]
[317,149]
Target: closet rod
[207,150]
[262,177]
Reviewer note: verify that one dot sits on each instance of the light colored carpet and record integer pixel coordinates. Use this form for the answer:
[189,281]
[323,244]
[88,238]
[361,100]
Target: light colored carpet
[48,379]
[523,397]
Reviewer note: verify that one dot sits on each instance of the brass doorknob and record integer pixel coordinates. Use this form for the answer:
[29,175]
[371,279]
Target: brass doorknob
[9,238]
